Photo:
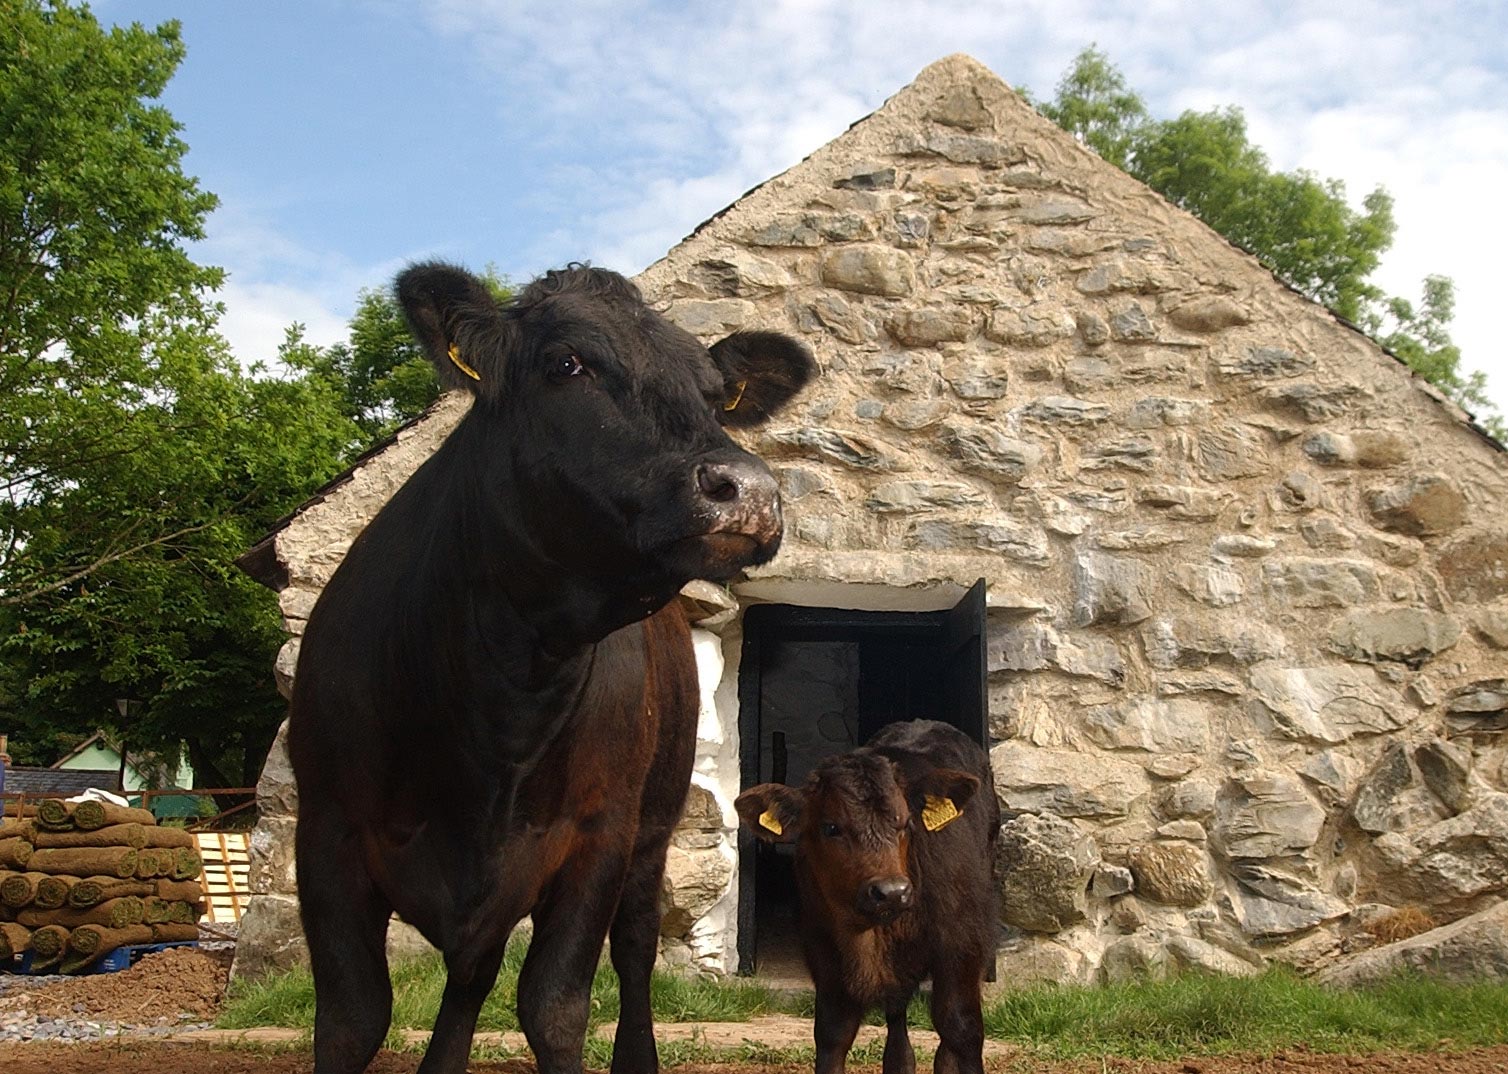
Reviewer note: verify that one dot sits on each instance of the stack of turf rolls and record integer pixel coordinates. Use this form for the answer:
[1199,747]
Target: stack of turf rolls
[79,879]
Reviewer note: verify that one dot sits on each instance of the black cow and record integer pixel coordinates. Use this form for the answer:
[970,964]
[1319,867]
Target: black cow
[495,707]
[894,852]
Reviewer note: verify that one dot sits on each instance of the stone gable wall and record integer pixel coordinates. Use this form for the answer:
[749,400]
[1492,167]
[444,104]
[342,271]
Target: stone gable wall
[1247,651]
[1248,576]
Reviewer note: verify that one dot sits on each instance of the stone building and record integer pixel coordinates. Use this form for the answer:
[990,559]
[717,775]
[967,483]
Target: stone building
[1246,575]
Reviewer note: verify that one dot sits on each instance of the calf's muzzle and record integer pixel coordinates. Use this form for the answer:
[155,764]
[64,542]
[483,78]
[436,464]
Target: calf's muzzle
[885,898]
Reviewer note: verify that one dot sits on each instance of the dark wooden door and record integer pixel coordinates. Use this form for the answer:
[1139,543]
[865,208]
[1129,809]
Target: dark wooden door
[964,672]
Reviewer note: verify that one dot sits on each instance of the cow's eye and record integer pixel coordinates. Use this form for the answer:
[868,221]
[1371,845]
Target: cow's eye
[832,831]
[564,367]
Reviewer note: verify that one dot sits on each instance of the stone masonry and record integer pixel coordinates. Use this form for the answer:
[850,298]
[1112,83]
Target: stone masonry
[1248,576]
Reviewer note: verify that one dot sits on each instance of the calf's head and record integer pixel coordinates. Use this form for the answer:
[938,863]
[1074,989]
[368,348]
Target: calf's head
[853,823]
[598,426]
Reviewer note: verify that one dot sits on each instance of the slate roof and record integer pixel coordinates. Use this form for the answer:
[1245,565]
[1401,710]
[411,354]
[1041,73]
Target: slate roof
[59,782]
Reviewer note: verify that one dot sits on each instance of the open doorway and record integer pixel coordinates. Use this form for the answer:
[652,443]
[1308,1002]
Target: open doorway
[813,682]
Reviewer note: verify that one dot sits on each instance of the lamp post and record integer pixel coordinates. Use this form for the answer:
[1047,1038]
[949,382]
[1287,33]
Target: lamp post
[123,706]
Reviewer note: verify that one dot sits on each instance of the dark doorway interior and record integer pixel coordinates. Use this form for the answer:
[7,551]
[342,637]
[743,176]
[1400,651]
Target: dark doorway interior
[819,681]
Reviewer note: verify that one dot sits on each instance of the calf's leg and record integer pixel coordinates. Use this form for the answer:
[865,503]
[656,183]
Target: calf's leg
[958,1019]
[345,923]
[835,1027]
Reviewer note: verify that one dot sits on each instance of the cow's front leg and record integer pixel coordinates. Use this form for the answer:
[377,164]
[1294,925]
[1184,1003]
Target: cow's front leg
[555,984]
[470,974]
[345,922]
[835,1027]
[635,942]
[899,1056]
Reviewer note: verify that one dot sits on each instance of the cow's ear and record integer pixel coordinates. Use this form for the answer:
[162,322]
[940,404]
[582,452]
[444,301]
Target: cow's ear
[939,796]
[772,811]
[761,372]
[458,323]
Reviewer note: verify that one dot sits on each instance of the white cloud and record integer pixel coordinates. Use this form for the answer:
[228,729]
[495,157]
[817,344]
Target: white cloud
[274,281]
[699,103]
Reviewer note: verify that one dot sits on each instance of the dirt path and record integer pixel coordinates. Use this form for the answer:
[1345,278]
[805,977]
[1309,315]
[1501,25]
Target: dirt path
[133,1057]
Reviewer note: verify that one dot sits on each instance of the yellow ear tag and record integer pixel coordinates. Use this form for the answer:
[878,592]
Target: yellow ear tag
[938,813]
[455,356]
[768,821]
[732,404]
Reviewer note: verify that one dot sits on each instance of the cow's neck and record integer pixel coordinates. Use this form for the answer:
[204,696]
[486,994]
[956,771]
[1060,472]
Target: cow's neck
[542,617]
[551,607]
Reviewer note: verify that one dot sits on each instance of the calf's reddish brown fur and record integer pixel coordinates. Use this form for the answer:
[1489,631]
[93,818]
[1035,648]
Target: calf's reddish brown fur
[894,845]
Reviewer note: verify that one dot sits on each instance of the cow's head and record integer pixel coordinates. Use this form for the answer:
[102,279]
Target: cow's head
[599,427]
[853,823]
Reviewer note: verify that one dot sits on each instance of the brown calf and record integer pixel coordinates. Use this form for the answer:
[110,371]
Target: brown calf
[893,865]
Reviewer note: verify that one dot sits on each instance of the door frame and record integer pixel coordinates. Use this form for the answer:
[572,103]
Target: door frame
[960,632]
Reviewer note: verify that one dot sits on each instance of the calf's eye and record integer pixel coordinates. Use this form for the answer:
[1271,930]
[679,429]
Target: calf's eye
[831,830]
[565,367]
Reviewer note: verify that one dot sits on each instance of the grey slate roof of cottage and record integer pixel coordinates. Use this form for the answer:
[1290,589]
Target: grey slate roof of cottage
[59,782]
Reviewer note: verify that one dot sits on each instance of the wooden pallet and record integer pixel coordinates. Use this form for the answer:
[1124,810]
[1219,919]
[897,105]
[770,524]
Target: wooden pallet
[225,879]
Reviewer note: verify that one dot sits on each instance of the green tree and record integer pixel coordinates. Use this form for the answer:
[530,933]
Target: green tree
[95,288]
[382,375]
[137,459]
[1095,104]
[1300,225]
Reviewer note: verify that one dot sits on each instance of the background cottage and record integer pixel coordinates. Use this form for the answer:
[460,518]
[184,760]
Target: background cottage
[1247,576]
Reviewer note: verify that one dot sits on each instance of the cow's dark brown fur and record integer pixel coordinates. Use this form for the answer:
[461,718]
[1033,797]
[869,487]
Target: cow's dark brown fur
[885,902]
[495,707]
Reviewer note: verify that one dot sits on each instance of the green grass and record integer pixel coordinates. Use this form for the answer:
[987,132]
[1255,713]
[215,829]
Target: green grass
[1190,1015]
[1206,1015]
[288,999]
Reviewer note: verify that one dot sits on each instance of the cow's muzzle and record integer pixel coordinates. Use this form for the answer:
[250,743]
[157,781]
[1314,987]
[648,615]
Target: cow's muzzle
[738,505]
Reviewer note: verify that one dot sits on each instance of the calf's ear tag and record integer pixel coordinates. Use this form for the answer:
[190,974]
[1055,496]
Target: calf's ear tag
[771,823]
[455,356]
[938,813]
[732,404]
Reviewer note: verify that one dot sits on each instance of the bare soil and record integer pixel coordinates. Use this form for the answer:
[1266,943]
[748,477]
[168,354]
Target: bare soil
[179,984]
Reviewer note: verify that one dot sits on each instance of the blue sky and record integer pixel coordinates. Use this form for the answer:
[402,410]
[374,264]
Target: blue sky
[346,137]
